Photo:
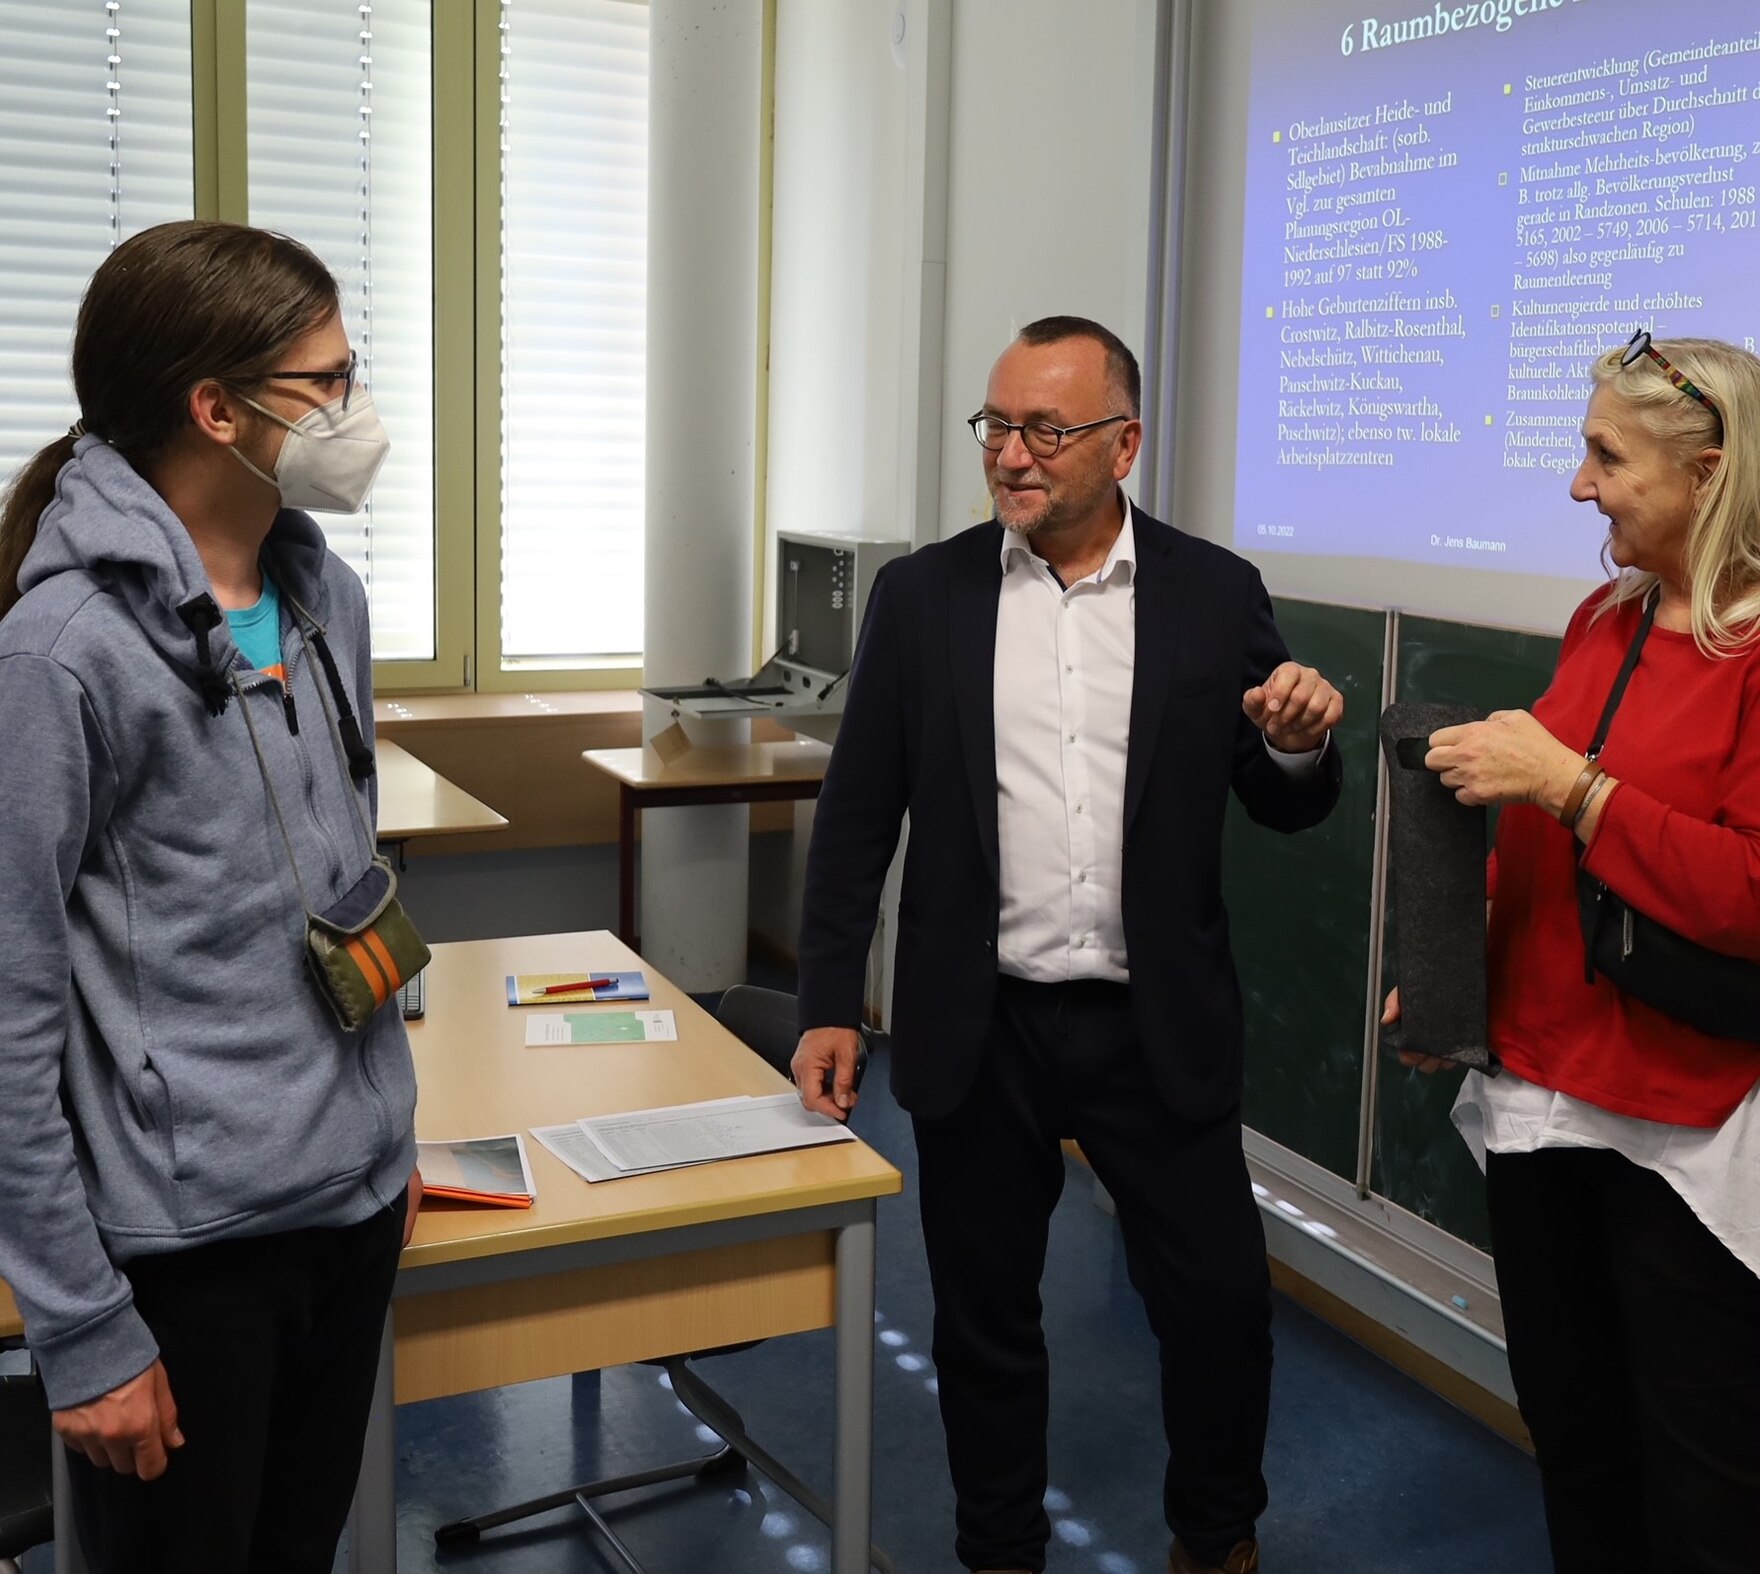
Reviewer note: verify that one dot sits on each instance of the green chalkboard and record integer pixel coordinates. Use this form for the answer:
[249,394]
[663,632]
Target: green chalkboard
[1299,913]
[1420,1161]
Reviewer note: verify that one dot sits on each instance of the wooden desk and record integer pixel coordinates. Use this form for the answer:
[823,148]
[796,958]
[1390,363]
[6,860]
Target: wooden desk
[717,773]
[416,801]
[11,1324]
[624,1271]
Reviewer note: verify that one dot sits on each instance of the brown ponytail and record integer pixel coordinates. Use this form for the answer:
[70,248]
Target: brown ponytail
[21,506]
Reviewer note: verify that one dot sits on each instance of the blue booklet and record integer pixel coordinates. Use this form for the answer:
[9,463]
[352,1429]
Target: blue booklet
[569,989]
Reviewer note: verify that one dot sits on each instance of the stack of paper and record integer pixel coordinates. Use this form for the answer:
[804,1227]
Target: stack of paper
[639,1142]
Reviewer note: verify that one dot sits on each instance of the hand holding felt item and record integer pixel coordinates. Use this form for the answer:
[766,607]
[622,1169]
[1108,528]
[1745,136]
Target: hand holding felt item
[1415,1058]
[1509,757]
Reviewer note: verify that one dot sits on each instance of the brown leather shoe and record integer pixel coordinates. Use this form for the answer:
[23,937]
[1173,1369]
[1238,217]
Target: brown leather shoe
[1243,1559]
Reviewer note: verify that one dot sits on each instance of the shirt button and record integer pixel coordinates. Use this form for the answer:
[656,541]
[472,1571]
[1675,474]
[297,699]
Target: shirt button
[1078,808]
[1072,737]
[1069,667]
[1082,878]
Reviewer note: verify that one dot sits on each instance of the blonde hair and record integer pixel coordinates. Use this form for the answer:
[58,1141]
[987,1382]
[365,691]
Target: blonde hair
[1722,557]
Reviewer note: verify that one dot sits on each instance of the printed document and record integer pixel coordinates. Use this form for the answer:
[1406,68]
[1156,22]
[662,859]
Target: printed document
[718,1129]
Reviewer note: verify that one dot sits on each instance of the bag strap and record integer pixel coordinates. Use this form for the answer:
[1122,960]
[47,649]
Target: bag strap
[1627,668]
[274,797]
[345,756]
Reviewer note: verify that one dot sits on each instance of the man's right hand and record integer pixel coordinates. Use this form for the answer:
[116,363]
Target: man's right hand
[130,1429]
[820,1050]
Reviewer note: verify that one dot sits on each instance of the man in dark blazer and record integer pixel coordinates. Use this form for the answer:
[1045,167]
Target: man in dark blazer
[1062,699]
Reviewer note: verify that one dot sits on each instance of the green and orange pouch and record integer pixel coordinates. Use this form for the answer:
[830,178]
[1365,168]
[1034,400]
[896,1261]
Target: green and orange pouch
[362,948]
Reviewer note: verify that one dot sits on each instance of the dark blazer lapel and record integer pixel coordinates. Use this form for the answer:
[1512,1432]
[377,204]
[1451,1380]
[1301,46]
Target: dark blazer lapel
[971,607]
[1163,619]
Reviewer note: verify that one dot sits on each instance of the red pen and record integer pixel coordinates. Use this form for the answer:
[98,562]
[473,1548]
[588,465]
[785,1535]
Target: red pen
[585,983]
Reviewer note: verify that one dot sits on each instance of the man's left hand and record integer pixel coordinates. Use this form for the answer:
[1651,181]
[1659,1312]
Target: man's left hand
[1295,708]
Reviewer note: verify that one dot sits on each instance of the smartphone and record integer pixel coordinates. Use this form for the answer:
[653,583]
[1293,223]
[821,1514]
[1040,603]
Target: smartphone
[861,1067]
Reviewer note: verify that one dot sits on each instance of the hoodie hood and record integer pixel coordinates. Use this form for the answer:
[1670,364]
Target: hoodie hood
[107,522]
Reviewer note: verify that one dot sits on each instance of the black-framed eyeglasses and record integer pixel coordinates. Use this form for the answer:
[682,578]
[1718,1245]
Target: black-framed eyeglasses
[1041,437]
[346,377]
[1639,345]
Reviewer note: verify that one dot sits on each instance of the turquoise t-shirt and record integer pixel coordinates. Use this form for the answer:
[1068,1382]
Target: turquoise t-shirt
[257,632]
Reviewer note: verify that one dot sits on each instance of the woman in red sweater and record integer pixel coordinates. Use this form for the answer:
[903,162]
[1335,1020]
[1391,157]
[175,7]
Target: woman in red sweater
[1621,1145]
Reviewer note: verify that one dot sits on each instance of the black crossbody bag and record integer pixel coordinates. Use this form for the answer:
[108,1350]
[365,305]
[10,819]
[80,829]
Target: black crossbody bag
[1705,989]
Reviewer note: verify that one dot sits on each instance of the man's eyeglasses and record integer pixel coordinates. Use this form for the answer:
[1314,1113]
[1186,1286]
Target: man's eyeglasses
[1041,437]
[346,377]
[1639,345]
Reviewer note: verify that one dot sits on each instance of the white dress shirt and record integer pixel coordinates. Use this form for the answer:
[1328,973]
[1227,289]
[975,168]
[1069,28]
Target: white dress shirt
[1064,658]
[1062,685]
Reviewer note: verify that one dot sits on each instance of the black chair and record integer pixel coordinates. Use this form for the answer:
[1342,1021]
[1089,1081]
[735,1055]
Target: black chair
[764,1019]
[27,1511]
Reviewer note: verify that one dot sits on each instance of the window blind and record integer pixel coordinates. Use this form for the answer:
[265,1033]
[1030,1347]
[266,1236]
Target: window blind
[340,157]
[95,144]
[574,337]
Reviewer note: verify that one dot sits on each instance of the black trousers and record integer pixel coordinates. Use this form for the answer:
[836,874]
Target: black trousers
[1064,1060]
[271,1346]
[1634,1341]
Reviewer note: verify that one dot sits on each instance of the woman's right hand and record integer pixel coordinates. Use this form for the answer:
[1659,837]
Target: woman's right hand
[130,1429]
[1409,1057]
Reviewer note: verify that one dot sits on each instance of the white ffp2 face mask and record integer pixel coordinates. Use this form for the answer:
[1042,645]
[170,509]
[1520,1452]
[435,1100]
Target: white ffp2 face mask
[329,458]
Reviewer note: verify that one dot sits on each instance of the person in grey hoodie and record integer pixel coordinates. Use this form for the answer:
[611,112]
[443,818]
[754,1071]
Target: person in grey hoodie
[205,1181]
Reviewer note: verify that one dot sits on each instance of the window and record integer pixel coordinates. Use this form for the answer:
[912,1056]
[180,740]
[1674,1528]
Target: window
[574,341]
[95,144]
[475,175]
[340,145]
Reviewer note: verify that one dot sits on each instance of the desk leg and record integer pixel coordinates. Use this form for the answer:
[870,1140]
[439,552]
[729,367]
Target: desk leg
[372,1526]
[70,1558]
[854,1448]
[626,866]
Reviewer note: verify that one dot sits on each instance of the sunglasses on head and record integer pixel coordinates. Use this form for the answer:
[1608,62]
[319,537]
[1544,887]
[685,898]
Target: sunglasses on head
[1639,345]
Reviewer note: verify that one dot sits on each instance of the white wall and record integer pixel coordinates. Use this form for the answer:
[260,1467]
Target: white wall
[1048,196]
[837,269]
[1045,161]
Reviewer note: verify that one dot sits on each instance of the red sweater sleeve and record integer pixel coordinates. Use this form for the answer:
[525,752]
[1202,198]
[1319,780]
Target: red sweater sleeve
[1700,879]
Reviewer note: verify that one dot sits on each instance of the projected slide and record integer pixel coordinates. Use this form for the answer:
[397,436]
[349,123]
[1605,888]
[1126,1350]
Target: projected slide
[1450,211]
